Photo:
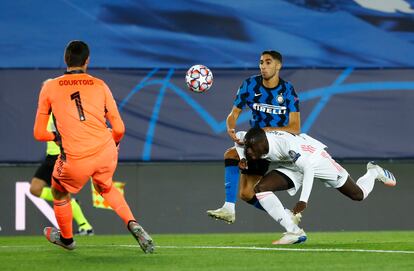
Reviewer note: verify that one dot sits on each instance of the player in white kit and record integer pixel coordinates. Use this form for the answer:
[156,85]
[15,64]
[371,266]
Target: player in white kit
[301,159]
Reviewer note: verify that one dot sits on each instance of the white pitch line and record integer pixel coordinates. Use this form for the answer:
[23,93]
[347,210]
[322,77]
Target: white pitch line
[294,249]
[243,248]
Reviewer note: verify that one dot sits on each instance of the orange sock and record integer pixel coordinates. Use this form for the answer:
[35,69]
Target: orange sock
[63,213]
[117,202]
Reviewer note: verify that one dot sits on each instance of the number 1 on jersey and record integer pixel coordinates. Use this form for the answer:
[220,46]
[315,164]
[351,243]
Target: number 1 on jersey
[76,96]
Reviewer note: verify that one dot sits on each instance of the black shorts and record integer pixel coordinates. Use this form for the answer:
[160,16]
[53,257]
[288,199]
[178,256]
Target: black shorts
[45,171]
[256,167]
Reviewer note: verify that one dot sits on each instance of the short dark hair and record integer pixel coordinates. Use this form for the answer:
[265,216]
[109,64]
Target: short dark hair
[254,136]
[274,54]
[76,53]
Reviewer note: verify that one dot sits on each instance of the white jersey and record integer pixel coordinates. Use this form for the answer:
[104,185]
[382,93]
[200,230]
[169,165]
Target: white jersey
[287,147]
[304,154]
[284,147]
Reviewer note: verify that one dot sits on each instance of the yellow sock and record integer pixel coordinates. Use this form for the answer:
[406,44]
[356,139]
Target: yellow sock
[79,217]
[46,194]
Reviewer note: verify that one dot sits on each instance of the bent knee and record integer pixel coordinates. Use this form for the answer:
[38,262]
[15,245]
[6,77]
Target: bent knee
[36,191]
[259,187]
[59,195]
[357,196]
[36,186]
[102,188]
[231,153]
[246,195]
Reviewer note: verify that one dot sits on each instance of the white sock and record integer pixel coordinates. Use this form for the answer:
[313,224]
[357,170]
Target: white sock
[229,206]
[366,182]
[275,209]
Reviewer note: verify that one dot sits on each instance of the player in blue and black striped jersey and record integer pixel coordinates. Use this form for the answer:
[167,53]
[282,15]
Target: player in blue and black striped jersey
[275,106]
[271,107]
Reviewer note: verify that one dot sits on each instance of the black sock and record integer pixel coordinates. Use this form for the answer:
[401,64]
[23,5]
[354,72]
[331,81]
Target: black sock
[66,241]
[231,162]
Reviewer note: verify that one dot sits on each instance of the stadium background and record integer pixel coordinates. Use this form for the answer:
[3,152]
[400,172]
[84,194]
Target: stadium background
[351,63]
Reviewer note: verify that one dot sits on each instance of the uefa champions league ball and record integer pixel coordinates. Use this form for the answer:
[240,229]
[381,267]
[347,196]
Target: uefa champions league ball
[199,78]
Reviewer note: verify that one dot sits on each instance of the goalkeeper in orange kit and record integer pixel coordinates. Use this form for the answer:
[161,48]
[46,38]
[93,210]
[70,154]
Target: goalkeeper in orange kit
[81,104]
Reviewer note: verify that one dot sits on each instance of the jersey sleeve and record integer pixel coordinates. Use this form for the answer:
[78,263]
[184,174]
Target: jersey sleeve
[292,99]
[40,131]
[241,96]
[308,177]
[112,114]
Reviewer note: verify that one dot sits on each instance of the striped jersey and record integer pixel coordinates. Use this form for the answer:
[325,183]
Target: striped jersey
[270,106]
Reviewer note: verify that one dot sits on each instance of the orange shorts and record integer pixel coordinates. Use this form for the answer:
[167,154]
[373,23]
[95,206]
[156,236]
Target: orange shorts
[71,175]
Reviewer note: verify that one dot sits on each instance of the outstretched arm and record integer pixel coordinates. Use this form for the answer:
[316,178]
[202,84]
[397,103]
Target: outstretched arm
[308,177]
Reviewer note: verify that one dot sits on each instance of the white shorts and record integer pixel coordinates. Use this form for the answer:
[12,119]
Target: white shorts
[326,170]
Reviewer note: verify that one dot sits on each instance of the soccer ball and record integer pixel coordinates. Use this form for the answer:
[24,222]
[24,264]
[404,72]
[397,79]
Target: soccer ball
[199,78]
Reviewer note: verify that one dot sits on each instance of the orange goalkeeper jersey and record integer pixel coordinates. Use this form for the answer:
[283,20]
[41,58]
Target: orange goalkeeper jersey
[80,104]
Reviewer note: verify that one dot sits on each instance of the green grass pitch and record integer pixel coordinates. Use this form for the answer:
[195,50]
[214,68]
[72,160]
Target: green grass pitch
[362,251]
